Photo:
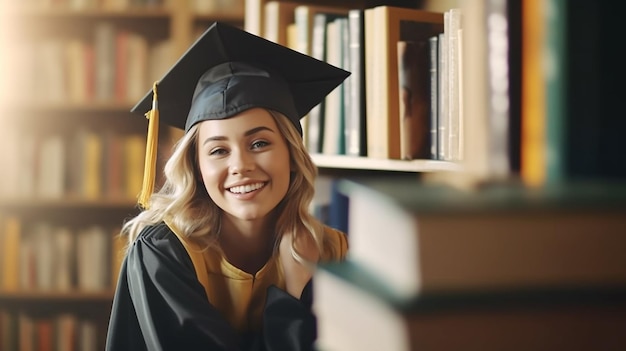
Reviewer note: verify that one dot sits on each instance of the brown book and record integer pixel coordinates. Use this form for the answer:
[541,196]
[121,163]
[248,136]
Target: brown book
[414,99]
[355,313]
[385,26]
[439,238]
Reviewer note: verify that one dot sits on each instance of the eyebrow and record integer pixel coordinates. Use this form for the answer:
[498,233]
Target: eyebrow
[247,133]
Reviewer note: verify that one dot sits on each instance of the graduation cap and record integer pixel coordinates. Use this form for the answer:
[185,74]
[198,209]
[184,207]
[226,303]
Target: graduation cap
[225,72]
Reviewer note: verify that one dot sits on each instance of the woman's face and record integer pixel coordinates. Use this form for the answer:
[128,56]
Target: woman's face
[244,163]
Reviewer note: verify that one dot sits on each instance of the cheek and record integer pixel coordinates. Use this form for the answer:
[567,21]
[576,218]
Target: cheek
[209,175]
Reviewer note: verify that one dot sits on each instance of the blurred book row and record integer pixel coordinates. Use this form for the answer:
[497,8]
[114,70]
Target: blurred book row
[20,331]
[86,164]
[88,4]
[199,6]
[109,65]
[46,257]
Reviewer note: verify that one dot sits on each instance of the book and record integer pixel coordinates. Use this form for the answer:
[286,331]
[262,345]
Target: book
[414,99]
[76,63]
[44,256]
[461,137]
[490,106]
[51,167]
[498,93]
[93,258]
[316,117]
[355,312]
[533,147]
[113,161]
[64,262]
[355,125]
[134,146]
[500,237]
[105,61]
[52,80]
[333,140]
[137,60]
[433,45]
[11,240]
[583,76]
[278,15]
[91,173]
[8,330]
[452,24]
[254,20]
[442,98]
[304,20]
[384,27]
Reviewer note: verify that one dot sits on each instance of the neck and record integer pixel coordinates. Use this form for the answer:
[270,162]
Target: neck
[247,244]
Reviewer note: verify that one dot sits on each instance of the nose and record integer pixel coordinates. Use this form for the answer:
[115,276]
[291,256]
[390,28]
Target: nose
[241,162]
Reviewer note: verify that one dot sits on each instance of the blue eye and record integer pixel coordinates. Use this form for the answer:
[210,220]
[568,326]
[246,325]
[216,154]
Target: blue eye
[259,144]
[217,151]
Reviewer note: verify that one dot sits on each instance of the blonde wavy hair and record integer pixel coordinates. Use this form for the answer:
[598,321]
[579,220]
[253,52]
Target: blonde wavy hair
[184,202]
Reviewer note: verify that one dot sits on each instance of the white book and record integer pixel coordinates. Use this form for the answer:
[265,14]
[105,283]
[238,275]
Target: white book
[137,63]
[452,34]
[64,252]
[332,104]
[52,167]
[43,241]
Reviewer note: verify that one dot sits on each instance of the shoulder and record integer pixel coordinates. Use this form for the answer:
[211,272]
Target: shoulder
[160,241]
[158,231]
[335,244]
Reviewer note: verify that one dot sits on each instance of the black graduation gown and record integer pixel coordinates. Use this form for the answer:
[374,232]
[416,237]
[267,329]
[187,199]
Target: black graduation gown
[159,304]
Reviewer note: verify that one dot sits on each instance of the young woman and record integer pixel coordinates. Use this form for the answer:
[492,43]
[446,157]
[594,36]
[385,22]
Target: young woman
[222,257]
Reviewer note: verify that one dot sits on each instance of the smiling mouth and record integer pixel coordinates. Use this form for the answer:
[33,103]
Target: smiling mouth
[243,189]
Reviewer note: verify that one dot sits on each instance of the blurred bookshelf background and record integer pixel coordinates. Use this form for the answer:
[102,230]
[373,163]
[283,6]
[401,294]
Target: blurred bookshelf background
[513,105]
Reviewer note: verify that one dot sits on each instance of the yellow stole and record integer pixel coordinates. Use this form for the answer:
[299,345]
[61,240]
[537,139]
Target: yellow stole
[238,295]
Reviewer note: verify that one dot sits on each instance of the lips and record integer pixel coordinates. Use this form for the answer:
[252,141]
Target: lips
[247,188]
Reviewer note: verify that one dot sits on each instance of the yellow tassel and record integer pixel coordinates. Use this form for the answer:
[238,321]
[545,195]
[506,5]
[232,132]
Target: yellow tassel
[149,172]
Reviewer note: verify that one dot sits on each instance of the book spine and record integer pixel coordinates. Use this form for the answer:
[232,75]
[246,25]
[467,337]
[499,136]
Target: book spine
[533,95]
[434,96]
[413,98]
[355,121]
[454,24]
[498,80]
[555,85]
[442,125]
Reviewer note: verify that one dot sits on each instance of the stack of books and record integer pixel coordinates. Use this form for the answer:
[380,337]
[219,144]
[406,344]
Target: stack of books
[498,268]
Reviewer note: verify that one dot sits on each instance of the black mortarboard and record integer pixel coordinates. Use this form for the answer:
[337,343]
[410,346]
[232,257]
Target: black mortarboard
[227,71]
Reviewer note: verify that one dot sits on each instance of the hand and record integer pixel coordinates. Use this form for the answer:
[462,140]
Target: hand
[297,275]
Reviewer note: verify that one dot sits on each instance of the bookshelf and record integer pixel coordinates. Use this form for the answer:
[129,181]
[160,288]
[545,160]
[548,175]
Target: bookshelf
[64,108]
[539,118]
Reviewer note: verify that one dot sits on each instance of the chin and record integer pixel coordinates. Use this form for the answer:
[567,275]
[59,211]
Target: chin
[250,216]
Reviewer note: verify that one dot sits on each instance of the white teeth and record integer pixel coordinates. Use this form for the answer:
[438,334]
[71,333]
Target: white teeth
[245,188]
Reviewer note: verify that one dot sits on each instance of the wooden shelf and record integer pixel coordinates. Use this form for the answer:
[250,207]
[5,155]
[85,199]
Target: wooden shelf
[58,296]
[85,14]
[365,163]
[226,16]
[82,107]
[68,203]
